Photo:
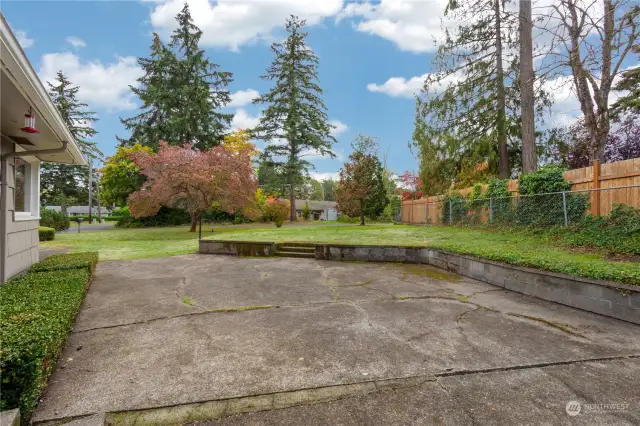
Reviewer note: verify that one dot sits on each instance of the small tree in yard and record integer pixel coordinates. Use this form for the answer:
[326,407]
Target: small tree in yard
[361,190]
[306,212]
[183,177]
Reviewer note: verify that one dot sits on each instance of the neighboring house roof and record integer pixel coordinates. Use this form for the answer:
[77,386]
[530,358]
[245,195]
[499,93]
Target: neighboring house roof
[316,204]
[21,89]
[84,210]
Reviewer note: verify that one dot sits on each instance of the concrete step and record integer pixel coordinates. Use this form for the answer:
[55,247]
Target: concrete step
[295,254]
[294,244]
[297,249]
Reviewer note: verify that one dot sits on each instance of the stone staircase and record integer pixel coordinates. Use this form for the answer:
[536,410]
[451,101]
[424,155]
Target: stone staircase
[303,250]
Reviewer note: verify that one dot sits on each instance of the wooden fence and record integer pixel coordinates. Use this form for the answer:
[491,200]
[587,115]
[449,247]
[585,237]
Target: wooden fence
[598,178]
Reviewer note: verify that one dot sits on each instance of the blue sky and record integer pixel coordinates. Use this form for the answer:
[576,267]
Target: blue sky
[95,44]
[373,58]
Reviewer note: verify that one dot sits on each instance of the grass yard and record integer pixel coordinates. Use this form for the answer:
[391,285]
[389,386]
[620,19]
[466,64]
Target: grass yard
[518,247]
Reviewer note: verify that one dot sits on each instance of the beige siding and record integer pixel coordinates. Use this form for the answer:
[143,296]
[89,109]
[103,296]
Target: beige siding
[21,237]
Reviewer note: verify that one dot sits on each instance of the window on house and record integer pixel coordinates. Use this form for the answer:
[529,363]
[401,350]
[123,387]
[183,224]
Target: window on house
[20,188]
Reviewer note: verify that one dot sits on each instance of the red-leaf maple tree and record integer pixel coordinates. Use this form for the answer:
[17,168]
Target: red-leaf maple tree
[194,180]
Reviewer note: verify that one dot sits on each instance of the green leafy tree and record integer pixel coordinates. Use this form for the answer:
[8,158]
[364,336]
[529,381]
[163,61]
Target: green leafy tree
[306,211]
[295,112]
[182,93]
[361,191]
[329,188]
[120,176]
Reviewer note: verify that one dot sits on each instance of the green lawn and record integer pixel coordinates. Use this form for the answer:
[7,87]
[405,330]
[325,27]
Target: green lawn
[523,248]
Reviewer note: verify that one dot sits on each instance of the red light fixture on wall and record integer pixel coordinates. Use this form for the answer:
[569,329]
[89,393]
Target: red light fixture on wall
[30,122]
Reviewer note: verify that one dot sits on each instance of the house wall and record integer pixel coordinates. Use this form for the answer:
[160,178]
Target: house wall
[21,229]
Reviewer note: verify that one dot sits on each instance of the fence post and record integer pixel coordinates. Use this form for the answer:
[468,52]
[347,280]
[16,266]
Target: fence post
[564,208]
[426,212]
[450,215]
[596,188]
[491,210]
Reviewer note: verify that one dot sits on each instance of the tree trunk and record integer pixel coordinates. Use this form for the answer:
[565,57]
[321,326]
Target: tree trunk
[529,156]
[292,199]
[195,217]
[502,115]
[361,218]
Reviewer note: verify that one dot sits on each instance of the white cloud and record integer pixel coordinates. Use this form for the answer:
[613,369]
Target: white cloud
[242,120]
[232,23]
[411,25]
[340,127]
[23,39]
[323,176]
[399,86]
[243,97]
[75,41]
[101,85]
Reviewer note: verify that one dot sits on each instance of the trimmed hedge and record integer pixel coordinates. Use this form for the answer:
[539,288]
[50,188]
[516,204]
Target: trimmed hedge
[37,311]
[64,261]
[46,234]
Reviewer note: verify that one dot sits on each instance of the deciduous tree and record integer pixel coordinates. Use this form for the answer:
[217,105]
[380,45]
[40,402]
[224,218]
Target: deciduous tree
[120,176]
[591,40]
[295,120]
[361,191]
[194,180]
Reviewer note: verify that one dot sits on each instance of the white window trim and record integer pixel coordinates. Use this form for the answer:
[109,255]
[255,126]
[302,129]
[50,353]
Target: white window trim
[32,191]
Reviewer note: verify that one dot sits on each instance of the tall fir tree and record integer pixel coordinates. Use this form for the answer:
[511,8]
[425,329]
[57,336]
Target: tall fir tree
[154,91]
[468,114]
[64,184]
[294,109]
[182,92]
[64,97]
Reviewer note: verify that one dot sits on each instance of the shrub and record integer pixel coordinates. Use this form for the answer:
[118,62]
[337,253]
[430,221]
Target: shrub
[165,217]
[391,210]
[277,211]
[306,211]
[46,234]
[63,261]
[502,201]
[548,210]
[37,312]
[454,208]
[617,233]
[52,219]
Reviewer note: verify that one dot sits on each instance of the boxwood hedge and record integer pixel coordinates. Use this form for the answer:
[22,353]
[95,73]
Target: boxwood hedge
[46,234]
[37,311]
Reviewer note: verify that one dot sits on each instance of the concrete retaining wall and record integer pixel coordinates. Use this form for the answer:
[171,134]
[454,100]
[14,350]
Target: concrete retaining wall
[607,298]
[237,248]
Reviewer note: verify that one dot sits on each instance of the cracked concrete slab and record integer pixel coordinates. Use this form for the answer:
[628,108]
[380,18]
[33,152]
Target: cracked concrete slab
[149,334]
[532,396]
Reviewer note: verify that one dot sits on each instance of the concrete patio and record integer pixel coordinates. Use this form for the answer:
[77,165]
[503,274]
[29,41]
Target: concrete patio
[194,337]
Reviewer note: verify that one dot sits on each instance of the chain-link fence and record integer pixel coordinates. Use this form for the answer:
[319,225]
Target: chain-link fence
[552,209]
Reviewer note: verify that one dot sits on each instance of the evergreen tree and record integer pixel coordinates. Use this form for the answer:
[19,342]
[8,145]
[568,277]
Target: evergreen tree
[64,184]
[199,88]
[629,103]
[181,92]
[151,124]
[295,111]
[468,115]
[78,121]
